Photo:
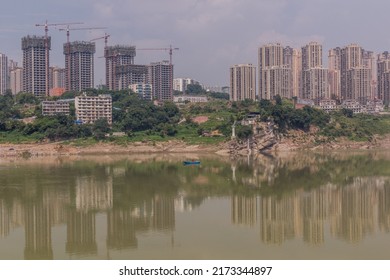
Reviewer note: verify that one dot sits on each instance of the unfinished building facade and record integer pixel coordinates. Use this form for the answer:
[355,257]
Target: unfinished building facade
[79,65]
[35,76]
[117,56]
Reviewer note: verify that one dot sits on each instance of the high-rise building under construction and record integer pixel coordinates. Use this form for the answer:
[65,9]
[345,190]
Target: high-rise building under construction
[35,76]
[116,57]
[4,82]
[79,65]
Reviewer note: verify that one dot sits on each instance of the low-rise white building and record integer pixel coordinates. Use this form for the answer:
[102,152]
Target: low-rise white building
[59,107]
[353,105]
[374,106]
[328,105]
[180,84]
[91,108]
[190,98]
[143,90]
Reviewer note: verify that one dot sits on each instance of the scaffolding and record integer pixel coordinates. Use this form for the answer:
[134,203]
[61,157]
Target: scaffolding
[79,65]
[35,59]
[120,50]
[79,47]
[34,42]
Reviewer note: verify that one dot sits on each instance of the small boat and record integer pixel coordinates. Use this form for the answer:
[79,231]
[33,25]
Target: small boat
[191,162]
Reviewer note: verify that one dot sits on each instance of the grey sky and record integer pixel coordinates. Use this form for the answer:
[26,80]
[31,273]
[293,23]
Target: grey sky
[212,34]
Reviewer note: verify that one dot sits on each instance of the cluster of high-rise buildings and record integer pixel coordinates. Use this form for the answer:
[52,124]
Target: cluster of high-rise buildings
[36,76]
[352,74]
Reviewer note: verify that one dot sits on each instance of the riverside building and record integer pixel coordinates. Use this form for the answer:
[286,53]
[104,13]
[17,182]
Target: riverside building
[275,74]
[91,108]
[242,82]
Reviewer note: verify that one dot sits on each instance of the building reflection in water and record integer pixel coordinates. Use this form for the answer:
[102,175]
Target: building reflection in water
[352,212]
[244,210]
[5,219]
[37,230]
[121,229]
[81,233]
[348,211]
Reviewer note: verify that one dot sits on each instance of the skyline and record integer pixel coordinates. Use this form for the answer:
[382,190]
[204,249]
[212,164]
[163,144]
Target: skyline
[212,35]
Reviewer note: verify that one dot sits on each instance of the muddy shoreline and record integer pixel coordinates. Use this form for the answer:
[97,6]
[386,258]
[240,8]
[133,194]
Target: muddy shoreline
[286,144]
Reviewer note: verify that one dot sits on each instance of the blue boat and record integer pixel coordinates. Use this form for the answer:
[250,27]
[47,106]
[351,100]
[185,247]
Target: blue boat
[191,162]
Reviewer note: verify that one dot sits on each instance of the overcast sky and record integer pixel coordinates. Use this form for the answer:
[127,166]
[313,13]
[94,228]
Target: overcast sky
[211,35]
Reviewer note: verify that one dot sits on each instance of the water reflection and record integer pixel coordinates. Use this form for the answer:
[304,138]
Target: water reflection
[312,198]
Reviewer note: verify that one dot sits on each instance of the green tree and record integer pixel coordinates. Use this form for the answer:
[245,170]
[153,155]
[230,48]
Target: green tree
[194,89]
[100,128]
[243,131]
[26,98]
[219,95]
[347,112]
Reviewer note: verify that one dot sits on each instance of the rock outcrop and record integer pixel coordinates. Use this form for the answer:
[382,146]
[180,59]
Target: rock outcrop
[263,140]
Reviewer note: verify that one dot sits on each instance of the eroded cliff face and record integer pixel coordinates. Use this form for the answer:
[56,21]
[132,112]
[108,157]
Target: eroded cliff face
[264,140]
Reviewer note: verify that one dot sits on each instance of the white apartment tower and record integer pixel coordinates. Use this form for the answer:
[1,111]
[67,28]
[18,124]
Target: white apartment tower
[354,65]
[16,80]
[296,72]
[314,76]
[58,77]
[161,78]
[180,84]
[383,77]
[334,73]
[275,76]
[242,82]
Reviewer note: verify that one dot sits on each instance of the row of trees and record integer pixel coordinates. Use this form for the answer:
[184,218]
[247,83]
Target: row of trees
[133,115]
[130,114]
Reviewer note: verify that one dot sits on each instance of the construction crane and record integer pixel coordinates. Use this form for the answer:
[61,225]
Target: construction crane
[105,37]
[170,49]
[46,25]
[67,29]
[67,60]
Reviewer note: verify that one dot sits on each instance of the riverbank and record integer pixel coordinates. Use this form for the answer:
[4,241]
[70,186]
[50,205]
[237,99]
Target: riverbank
[103,148]
[290,143]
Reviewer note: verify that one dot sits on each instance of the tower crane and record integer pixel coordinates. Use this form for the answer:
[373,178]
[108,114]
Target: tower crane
[170,49]
[67,29]
[105,37]
[67,53]
[46,26]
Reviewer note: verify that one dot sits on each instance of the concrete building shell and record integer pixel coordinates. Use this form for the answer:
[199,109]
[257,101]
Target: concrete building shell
[79,65]
[117,56]
[35,76]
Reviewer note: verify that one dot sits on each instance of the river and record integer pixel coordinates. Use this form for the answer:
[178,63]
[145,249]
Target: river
[298,206]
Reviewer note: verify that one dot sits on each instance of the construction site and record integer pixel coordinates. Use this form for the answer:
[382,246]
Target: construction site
[79,64]
[121,71]
[35,74]
[117,56]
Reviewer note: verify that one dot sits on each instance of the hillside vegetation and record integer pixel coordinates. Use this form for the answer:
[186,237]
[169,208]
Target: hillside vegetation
[21,121]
